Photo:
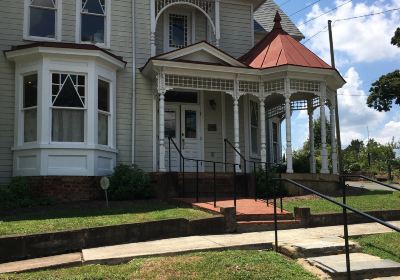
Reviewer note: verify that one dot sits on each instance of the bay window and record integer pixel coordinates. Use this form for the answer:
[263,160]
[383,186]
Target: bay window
[68,110]
[42,19]
[30,84]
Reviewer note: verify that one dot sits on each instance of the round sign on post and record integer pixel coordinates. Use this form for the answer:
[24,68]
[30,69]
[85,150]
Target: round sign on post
[105,184]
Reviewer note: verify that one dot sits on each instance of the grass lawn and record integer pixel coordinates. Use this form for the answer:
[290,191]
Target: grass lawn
[373,200]
[205,265]
[90,214]
[385,245]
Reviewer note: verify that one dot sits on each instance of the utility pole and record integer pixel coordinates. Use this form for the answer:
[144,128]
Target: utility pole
[339,151]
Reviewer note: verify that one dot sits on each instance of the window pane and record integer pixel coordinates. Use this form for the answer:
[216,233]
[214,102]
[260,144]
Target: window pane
[103,96]
[254,140]
[177,31]
[170,124]
[30,125]
[30,91]
[275,132]
[103,129]
[42,22]
[190,124]
[92,28]
[44,3]
[68,125]
[68,96]
[93,6]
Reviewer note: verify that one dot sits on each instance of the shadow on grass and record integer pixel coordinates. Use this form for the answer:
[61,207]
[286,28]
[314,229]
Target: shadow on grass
[85,209]
[391,253]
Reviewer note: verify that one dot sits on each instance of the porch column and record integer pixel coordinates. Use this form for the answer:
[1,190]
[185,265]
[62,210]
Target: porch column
[289,153]
[333,139]
[310,109]
[236,138]
[162,130]
[263,142]
[324,152]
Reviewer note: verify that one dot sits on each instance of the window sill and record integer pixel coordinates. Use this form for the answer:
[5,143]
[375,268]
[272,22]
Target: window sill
[40,39]
[69,146]
[100,45]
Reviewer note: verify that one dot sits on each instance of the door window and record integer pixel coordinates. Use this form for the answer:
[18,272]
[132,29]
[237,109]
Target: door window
[170,124]
[190,124]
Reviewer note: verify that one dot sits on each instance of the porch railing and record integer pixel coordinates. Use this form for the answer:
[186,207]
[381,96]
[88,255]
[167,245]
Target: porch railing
[214,164]
[343,205]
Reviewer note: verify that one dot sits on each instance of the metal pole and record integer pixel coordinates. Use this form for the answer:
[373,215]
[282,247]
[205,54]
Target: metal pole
[245,177]
[275,219]
[197,181]
[183,177]
[215,188]
[225,154]
[339,152]
[255,181]
[169,153]
[234,185]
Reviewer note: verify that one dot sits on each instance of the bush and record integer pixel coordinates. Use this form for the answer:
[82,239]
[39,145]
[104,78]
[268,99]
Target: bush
[265,189]
[17,194]
[129,182]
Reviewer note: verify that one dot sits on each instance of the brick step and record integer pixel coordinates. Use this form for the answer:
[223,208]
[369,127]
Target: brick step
[264,217]
[316,247]
[363,266]
[254,226]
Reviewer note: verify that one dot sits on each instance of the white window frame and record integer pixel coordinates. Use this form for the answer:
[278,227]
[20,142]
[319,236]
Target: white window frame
[191,22]
[58,23]
[257,104]
[22,110]
[107,27]
[108,114]
[84,108]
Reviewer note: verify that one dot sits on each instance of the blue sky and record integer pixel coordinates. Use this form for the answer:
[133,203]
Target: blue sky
[363,53]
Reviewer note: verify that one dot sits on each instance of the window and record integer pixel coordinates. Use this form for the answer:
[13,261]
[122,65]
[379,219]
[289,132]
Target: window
[254,116]
[68,110]
[42,18]
[103,112]
[178,31]
[275,144]
[93,21]
[30,107]
[170,124]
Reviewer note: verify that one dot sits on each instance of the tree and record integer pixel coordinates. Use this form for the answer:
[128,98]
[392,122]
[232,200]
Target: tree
[386,89]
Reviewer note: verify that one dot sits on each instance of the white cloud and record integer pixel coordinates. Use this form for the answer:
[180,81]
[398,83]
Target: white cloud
[364,39]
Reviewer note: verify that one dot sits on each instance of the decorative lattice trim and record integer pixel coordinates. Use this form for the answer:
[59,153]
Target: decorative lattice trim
[304,85]
[275,111]
[206,6]
[249,87]
[188,82]
[274,86]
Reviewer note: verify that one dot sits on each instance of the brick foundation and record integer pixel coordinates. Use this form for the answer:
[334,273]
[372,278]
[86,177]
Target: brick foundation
[66,188]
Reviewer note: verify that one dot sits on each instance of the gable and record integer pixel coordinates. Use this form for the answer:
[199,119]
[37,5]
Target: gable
[202,57]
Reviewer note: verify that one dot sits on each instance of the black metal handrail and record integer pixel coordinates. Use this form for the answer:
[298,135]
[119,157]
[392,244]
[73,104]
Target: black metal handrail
[372,180]
[343,205]
[182,168]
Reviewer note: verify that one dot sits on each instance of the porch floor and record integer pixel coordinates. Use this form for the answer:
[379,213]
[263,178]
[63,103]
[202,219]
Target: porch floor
[245,207]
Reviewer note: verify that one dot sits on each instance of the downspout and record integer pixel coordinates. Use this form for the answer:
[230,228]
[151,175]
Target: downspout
[133,84]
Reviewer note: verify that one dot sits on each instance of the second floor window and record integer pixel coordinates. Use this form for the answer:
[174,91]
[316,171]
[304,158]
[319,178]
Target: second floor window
[178,31]
[42,19]
[93,21]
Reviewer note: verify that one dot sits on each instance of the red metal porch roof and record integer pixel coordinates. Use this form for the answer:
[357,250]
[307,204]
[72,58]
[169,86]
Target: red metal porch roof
[279,48]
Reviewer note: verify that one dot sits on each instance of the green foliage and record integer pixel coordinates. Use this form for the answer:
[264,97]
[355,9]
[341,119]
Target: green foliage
[17,194]
[265,184]
[396,38]
[385,91]
[301,161]
[129,182]
[384,245]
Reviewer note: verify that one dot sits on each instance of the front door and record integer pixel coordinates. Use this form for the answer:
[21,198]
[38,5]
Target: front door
[182,124]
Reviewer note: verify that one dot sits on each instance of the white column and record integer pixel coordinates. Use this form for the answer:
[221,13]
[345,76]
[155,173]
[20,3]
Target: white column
[289,152]
[313,168]
[152,28]
[236,139]
[217,24]
[324,151]
[161,131]
[333,140]
[263,143]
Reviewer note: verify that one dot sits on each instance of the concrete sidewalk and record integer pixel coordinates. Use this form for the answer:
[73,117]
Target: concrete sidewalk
[253,240]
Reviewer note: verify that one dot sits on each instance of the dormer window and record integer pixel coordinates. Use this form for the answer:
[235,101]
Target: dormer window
[42,20]
[93,22]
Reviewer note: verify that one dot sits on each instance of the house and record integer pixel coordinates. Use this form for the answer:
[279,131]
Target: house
[88,84]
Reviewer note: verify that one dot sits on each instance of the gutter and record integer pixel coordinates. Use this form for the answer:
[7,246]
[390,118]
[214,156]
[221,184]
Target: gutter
[133,85]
